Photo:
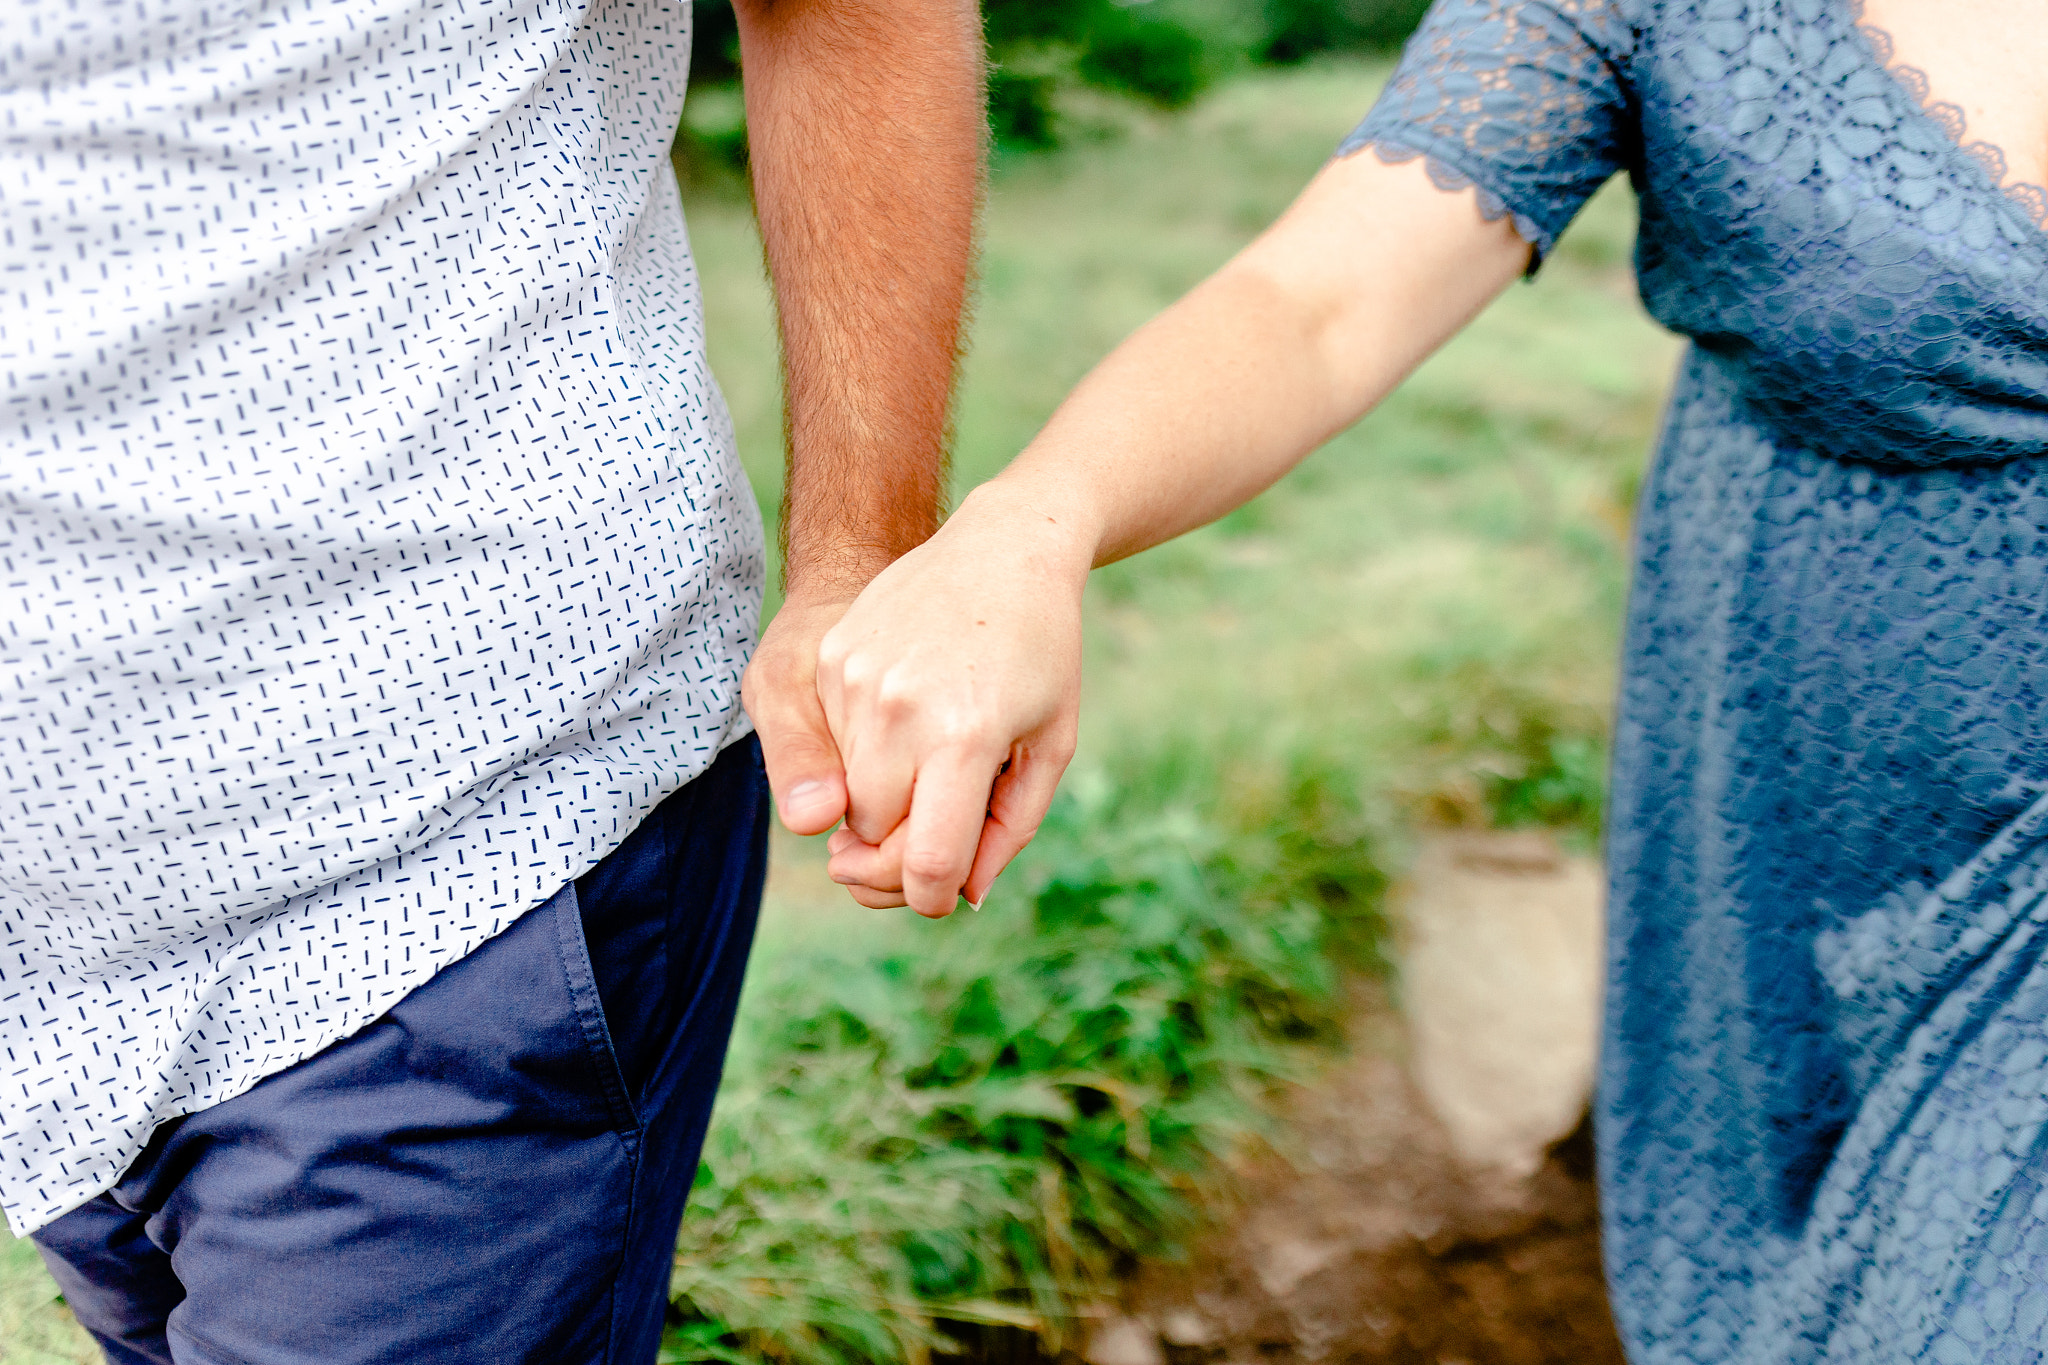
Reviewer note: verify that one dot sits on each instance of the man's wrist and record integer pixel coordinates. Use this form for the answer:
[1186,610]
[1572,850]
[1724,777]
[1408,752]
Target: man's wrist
[834,576]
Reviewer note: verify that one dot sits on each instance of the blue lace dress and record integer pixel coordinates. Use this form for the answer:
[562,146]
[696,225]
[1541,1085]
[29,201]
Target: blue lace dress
[1823,1107]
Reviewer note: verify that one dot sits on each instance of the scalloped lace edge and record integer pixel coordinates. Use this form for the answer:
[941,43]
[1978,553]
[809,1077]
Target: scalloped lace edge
[1450,179]
[2033,199]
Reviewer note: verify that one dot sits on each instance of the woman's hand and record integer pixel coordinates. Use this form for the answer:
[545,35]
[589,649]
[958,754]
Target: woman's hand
[953,686]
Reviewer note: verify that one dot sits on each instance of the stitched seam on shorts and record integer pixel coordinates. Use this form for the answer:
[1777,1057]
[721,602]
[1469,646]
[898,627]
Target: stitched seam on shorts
[589,1007]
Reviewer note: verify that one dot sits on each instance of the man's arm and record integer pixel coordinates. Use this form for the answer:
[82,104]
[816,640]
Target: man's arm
[865,129]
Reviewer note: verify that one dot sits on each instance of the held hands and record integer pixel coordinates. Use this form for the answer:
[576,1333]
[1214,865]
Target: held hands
[941,709]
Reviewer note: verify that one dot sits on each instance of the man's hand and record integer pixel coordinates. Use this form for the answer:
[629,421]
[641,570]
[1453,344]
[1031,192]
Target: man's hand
[953,684]
[780,692]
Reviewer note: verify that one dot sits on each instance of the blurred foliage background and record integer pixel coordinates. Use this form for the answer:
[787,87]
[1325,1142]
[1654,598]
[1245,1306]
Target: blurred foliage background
[1054,63]
[986,1119]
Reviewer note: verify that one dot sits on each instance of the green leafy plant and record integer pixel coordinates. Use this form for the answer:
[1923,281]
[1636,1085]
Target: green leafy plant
[984,1123]
[1559,780]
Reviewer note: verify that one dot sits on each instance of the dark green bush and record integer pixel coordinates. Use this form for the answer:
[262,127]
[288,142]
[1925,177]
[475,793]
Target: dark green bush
[714,43]
[1298,29]
[1162,62]
[1163,52]
[1020,110]
[1038,48]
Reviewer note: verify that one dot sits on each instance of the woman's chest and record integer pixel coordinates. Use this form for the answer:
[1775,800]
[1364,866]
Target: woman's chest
[1977,67]
[1808,221]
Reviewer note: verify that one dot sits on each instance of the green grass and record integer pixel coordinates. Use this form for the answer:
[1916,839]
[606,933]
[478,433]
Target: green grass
[35,1328]
[985,1117]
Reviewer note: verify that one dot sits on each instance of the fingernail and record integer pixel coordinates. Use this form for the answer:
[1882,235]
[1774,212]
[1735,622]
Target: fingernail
[804,789]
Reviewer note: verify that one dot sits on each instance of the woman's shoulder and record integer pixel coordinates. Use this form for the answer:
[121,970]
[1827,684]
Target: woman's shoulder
[1613,27]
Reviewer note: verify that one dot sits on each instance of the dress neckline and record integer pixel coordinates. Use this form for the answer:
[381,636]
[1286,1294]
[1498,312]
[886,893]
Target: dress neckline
[1911,82]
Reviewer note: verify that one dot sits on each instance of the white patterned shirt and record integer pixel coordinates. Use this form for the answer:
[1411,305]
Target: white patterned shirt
[373,549]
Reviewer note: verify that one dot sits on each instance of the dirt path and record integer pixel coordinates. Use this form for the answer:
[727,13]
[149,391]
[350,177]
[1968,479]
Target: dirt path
[1385,1233]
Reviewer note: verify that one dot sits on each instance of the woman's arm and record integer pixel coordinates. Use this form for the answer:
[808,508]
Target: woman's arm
[964,655]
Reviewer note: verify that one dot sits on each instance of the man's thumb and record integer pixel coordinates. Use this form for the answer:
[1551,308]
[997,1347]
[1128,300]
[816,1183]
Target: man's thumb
[803,770]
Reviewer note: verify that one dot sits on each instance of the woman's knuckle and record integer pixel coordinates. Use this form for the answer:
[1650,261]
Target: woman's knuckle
[962,729]
[898,691]
[931,865]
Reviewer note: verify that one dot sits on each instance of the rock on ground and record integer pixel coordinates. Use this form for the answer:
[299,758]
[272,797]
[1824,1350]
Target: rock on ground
[1500,983]
[1431,1200]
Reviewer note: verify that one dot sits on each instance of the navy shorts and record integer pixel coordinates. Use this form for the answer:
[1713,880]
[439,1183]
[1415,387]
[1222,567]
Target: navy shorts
[492,1172]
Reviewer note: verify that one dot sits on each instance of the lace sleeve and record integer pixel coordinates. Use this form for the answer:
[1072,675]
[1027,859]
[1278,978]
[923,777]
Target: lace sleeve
[1524,99]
